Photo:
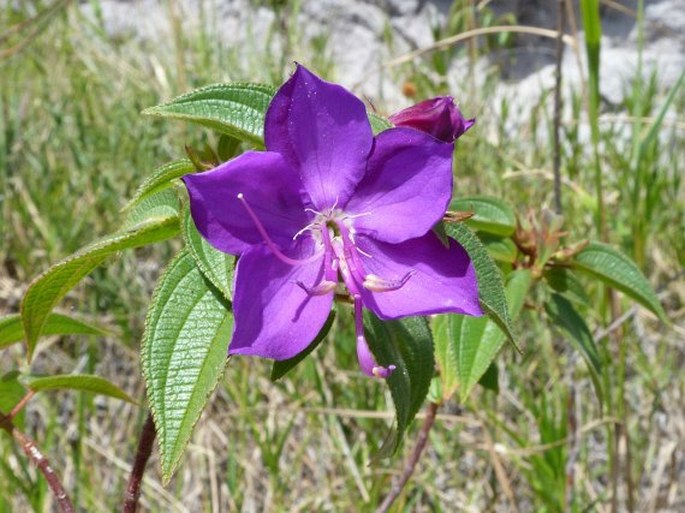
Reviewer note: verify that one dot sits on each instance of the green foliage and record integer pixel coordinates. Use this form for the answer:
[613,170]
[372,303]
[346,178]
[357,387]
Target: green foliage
[11,392]
[160,179]
[233,109]
[12,330]
[617,270]
[467,346]
[407,344]
[46,290]
[566,318]
[185,344]
[82,382]
[492,215]
[216,266]
[281,368]
[490,286]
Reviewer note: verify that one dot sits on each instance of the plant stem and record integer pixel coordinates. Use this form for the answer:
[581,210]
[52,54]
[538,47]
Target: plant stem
[561,22]
[38,458]
[21,404]
[147,437]
[421,441]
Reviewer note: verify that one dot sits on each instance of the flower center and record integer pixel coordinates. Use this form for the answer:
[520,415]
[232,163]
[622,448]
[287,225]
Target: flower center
[334,234]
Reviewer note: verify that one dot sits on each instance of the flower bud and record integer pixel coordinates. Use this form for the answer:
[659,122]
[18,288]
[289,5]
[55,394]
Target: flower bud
[439,117]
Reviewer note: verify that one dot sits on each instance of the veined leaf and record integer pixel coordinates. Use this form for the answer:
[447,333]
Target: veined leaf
[617,270]
[501,249]
[45,291]
[83,382]
[12,331]
[280,368]
[160,205]
[492,215]
[466,346]
[235,109]
[406,343]
[566,283]
[218,267]
[185,344]
[490,286]
[160,179]
[564,316]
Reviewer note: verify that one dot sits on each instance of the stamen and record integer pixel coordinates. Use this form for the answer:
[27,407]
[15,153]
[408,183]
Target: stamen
[270,244]
[323,288]
[366,360]
[376,284]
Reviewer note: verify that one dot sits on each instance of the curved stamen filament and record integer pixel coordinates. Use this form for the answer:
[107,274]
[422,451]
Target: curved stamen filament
[377,284]
[367,362]
[270,244]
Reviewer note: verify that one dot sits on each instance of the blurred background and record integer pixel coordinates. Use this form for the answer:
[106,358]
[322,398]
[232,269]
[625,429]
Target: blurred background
[74,77]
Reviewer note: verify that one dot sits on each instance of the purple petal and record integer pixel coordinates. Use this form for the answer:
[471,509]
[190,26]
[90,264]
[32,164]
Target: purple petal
[407,187]
[274,316]
[443,280]
[269,186]
[323,132]
[439,117]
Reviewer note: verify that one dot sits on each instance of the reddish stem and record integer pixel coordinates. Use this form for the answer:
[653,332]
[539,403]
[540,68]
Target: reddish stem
[421,441]
[38,458]
[21,404]
[147,437]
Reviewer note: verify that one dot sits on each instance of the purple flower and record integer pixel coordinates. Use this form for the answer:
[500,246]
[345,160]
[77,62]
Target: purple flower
[439,117]
[328,202]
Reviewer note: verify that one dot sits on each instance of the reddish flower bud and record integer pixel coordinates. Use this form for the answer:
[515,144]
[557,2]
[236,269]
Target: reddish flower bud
[439,117]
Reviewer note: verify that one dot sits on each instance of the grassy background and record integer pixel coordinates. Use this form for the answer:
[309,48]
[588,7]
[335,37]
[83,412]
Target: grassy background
[73,148]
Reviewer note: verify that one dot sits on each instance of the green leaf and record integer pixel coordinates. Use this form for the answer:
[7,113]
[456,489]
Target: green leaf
[217,267]
[473,342]
[280,368]
[492,215]
[406,343]
[11,329]
[501,249]
[46,290]
[490,286]
[566,283]
[185,344]
[11,392]
[160,179]
[564,317]
[83,382]
[236,109]
[378,123]
[617,270]
[161,205]
[490,380]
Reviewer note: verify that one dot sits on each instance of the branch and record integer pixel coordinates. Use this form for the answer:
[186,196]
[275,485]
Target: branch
[421,441]
[39,460]
[147,437]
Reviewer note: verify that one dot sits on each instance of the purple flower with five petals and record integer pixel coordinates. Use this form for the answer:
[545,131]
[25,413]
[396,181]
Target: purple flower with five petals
[438,116]
[329,205]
